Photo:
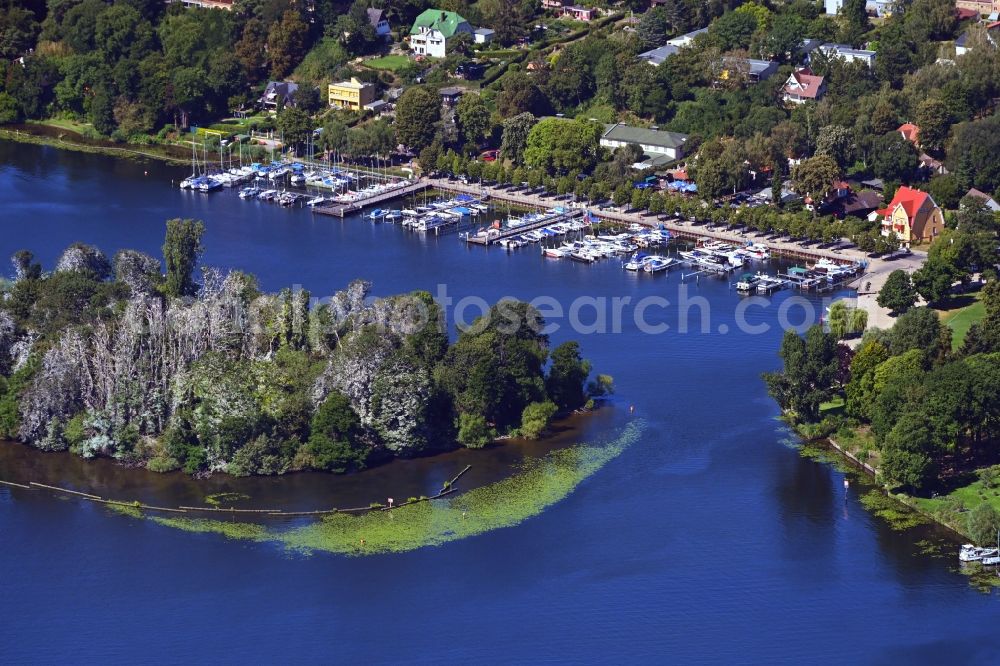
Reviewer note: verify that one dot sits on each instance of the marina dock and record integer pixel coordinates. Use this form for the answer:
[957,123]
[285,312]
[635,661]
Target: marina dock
[679,228]
[494,236]
[343,210]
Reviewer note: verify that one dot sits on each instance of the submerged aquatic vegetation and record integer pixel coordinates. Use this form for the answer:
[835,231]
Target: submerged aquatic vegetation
[535,486]
[898,515]
[218,498]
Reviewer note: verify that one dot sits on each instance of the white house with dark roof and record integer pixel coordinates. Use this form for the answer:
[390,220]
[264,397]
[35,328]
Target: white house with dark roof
[656,56]
[659,147]
[847,53]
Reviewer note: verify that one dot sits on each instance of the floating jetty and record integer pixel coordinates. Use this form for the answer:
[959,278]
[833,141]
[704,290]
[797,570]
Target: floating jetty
[496,236]
[345,209]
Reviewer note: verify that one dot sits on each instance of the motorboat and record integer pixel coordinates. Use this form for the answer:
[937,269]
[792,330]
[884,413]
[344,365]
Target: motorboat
[656,264]
[747,282]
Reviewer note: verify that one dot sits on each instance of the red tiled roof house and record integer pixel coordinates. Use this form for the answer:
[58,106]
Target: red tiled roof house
[912,216]
[803,86]
[910,132]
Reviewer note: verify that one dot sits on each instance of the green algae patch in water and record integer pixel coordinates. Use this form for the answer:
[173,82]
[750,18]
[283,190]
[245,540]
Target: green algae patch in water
[535,486]
[218,498]
[899,516]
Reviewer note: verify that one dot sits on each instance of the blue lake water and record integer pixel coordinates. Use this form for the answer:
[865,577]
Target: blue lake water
[709,540]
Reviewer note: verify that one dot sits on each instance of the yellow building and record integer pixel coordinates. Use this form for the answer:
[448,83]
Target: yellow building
[351,94]
[912,217]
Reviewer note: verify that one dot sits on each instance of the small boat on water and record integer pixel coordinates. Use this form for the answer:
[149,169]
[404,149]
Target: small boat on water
[249,192]
[392,215]
[553,253]
[377,214]
[970,553]
[747,282]
[636,262]
[658,264]
[582,256]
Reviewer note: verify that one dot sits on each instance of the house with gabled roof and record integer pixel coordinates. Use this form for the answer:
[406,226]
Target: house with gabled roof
[658,147]
[378,21]
[910,132]
[989,201]
[433,28]
[911,216]
[803,86]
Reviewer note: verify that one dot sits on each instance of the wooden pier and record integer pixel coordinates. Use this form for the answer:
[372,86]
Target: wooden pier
[343,210]
[503,234]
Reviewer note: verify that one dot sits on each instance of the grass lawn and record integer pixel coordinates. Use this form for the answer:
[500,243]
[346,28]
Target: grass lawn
[389,62]
[834,406]
[944,507]
[960,313]
[64,123]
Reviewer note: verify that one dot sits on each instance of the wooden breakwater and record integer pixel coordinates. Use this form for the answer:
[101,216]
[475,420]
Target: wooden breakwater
[447,489]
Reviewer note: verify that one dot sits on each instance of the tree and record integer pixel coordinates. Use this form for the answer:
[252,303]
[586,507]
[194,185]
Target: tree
[561,146]
[838,143]
[519,94]
[894,158]
[930,21]
[181,249]
[917,328]
[652,28]
[943,188]
[536,418]
[905,451]
[507,18]
[295,125]
[251,49]
[567,377]
[855,14]
[845,321]
[10,111]
[934,121]
[417,114]
[355,30]
[307,98]
[733,30]
[474,432]
[814,177]
[897,293]
[860,388]
[934,279]
[333,436]
[473,118]
[515,136]
[983,524]
[18,29]
[973,152]
[286,43]
[810,371]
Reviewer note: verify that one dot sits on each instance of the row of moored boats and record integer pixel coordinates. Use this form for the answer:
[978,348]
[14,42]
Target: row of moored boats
[987,556]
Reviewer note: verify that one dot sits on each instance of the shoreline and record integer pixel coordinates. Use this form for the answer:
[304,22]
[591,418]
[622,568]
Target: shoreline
[59,142]
[902,498]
